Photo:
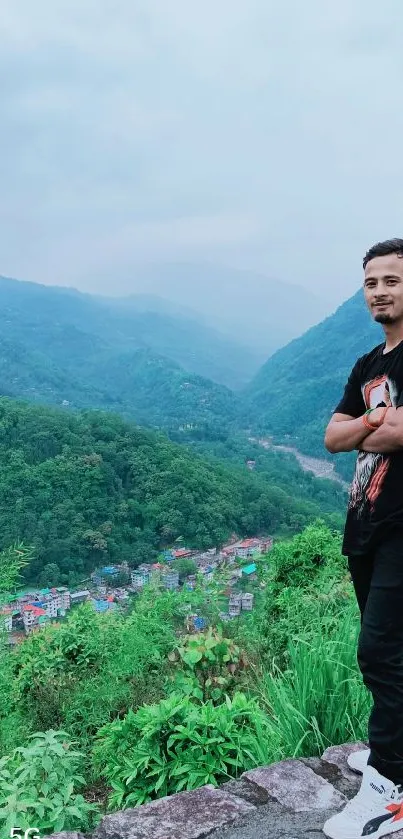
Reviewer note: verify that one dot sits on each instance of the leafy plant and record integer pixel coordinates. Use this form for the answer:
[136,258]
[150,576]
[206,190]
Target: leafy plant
[12,560]
[299,561]
[13,725]
[212,660]
[176,745]
[39,787]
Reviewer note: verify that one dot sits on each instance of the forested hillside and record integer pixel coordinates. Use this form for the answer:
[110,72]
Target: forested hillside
[88,489]
[50,352]
[156,391]
[62,328]
[298,388]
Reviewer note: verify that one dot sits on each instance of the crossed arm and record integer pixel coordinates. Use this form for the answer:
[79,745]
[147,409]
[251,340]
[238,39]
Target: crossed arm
[345,433]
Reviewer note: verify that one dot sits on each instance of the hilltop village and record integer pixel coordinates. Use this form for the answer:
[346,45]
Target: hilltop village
[112,586]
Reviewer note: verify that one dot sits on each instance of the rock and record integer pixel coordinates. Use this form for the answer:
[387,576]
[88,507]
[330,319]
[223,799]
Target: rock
[330,772]
[296,786]
[246,790]
[65,834]
[338,756]
[275,822]
[185,815]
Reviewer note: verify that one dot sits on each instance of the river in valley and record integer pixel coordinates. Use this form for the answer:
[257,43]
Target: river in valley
[321,468]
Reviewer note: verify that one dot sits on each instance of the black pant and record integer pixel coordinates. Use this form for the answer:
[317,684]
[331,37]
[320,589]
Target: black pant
[378,584]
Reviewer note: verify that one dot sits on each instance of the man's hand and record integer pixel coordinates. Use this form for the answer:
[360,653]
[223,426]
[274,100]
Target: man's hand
[345,433]
[388,437]
[377,416]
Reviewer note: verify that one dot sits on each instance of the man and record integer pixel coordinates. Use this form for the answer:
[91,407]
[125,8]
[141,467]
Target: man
[370,418]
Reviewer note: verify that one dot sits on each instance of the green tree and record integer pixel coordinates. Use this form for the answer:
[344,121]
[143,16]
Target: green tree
[185,567]
[50,576]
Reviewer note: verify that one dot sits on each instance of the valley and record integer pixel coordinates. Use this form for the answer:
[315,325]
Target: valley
[138,586]
[320,468]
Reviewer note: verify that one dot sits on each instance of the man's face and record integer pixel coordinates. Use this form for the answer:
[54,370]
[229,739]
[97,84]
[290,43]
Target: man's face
[383,288]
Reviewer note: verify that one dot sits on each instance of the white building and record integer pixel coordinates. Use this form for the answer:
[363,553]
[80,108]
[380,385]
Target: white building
[79,596]
[248,547]
[51,605]
[247,602]
[235,605]
[170,580]
[33,617]
[65,597]
[140,577]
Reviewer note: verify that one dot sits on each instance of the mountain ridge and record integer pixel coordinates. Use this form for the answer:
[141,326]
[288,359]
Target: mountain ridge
[36,309]
[296,391]
[237,300]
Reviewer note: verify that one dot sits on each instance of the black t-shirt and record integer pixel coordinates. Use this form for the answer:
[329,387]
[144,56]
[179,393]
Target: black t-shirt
[376,497]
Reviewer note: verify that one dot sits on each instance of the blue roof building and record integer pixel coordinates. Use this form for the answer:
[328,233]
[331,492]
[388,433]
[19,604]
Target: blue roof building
[249,569]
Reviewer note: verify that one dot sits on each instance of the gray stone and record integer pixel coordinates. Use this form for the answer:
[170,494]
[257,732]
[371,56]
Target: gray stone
[247,790]
[275,822]
[338,756]
[330,772]
[65,834]
[185,815]
[296,786]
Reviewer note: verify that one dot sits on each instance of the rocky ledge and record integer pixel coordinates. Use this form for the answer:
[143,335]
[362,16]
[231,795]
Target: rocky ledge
[287,800]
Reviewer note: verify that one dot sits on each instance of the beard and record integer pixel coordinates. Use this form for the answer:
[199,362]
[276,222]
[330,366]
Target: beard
[382,317]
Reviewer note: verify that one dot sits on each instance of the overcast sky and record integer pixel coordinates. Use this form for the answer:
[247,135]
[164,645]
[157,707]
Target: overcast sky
[250,133]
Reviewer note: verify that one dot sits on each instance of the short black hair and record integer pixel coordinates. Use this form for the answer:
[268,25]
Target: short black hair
[384,249]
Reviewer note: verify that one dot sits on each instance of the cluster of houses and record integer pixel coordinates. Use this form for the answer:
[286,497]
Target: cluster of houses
[158,571]
[206,562]
[30,611]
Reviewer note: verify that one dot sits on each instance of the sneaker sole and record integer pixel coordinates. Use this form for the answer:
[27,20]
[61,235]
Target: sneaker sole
[384,830]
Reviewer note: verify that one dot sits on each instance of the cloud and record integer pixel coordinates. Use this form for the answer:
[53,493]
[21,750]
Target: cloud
[257,134]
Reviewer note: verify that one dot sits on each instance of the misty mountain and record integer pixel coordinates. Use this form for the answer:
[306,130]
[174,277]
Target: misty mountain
[296,391]
[60,346]
[69,326]
[254,309]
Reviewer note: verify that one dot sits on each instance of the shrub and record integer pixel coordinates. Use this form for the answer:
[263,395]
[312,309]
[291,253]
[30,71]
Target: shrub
[298,562]
[39,787]
[80,674]
[307,586]
[176,745]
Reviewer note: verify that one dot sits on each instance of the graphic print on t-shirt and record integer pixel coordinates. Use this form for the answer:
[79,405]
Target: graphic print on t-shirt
[371,469]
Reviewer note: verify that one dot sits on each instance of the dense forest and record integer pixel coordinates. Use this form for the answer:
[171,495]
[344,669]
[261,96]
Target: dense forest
[274,466]
[90,488]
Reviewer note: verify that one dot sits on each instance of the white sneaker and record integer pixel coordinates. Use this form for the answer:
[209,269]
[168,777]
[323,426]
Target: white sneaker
[357,761]
[375,811]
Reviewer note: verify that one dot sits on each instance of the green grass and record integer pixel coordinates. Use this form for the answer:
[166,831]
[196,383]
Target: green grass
[320,699]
